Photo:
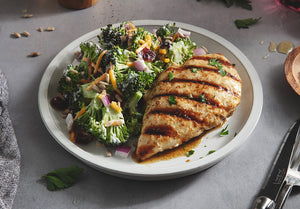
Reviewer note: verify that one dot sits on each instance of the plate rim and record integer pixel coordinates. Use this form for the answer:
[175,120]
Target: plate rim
[193,167]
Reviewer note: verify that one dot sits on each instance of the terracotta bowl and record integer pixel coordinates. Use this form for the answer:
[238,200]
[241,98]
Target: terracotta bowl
[292,69]
[77,4]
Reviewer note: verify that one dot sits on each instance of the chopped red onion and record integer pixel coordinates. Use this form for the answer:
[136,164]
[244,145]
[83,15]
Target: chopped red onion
[69,121]
[141,66]
[123,151]
[199,51]
[184,32]
[105,100]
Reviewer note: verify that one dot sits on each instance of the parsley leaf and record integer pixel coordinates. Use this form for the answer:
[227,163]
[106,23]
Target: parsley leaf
[189,153]
[202,98]
[215,62]
[62,177]
[245,23]
[194,70]
[245,4]
[222,72]
[171,76]
[211,151]
[172,100]
[224,131]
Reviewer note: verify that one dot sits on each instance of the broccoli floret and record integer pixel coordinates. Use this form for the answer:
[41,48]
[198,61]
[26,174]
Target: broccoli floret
[111,36]
[107,58]
[95,117]
[123,56]
[134,81]
[68,86]
[89,119]
[181,50]
[165,31]
[133,115]
[141,35]
[115,135]
[90,50]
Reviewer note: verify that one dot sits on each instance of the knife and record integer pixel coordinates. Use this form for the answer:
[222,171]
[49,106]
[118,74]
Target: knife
[276,178]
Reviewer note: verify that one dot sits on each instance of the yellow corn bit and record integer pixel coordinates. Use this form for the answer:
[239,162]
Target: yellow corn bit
[162,51]
[103,94]
[115,106]
[166,60]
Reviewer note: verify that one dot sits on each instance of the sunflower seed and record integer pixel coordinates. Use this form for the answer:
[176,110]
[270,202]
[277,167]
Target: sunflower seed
[40,29]
[50,29]
[28,15]
[34,54]
[26,33]
[17,35]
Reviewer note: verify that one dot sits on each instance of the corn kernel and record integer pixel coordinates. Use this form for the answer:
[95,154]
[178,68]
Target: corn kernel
[162,51]
[166,60]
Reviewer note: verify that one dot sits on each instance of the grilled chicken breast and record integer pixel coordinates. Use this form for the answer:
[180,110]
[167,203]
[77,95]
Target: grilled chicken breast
[186,101]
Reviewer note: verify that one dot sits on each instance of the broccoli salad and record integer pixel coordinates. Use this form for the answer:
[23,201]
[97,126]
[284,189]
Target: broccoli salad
[101,95]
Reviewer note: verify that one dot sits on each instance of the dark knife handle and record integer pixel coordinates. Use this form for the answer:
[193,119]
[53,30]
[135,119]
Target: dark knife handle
[263,202]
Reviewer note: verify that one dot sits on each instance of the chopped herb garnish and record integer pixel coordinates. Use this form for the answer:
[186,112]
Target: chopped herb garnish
[217,64]
[62,178]
[224,131]
[172,100]
[189,153]
[211,151]
[222,72]
[245,23]
[194,70]
[171,76]
[245,4]
[202,98]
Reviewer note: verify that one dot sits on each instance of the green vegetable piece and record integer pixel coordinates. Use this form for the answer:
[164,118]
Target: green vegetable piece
[245,4]
[194,70]
[88,94]
[62,178]
[222,72]
[245,23]
[189,153]
[171,76]
[203,98]
[224,131]
[217,64]
[211,151]
[172,100]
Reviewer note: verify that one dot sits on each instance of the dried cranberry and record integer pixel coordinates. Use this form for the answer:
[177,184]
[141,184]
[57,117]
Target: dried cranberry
[147,55]
[58,103]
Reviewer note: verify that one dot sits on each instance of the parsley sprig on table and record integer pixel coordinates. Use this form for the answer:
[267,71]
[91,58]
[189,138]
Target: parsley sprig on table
[245,23]
[62,178]
[245,4]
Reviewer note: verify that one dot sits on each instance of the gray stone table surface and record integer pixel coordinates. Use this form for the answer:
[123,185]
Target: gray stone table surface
[233,183]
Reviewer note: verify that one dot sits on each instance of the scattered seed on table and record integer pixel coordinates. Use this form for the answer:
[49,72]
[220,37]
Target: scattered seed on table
[50,29]
[40,29]
[17,35]
[24,11]
[34,54]
[26,33]
[28,15]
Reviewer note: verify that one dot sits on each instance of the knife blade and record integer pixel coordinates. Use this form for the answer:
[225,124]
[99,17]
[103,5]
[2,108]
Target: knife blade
[275,180]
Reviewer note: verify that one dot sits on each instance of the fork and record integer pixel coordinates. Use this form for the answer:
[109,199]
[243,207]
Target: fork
[292,179]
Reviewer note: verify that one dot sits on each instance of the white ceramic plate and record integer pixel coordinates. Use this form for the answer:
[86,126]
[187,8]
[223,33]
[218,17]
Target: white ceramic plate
[241,124]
